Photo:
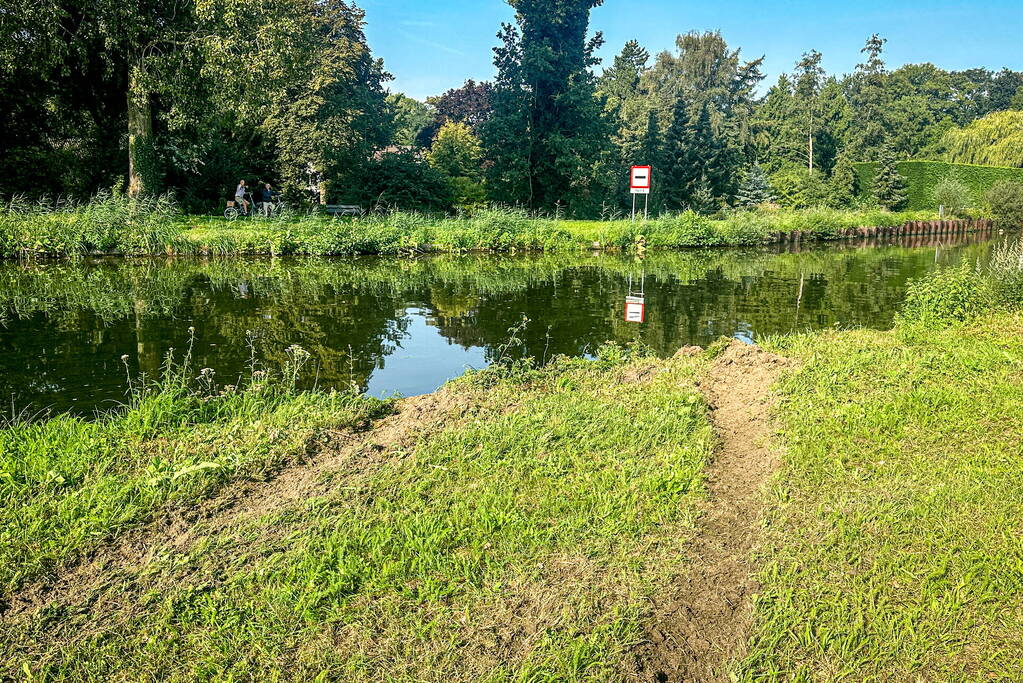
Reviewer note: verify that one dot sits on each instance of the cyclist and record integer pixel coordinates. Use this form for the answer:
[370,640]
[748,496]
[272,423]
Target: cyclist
[239,197]
[268,195]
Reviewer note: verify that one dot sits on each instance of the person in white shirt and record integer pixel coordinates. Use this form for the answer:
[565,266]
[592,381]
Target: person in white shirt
[239,196]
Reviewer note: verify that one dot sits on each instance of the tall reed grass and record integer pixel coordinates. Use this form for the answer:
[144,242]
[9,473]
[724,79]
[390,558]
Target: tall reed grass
[150,226]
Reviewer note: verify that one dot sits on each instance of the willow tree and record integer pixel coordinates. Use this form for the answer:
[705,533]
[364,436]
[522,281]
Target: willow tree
[995,140]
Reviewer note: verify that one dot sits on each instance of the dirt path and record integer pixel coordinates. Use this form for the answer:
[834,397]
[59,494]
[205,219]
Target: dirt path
[703,623]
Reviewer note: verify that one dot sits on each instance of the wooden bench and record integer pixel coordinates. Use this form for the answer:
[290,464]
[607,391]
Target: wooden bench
[343,210]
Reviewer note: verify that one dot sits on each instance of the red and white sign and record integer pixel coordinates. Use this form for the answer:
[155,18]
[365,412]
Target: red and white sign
[635,309]
[639,181]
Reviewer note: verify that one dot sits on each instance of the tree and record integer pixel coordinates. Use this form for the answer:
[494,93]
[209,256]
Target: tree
[548,135]
[952,194]
[889,185]
[627,106]
[843,181]
[620,82]
[870,99]
[401,181]
[697,159]
[996,139]
[456,152]
[410,118]
[809,79]
[1005,201]
[469,104]
[681,165]
[754,189]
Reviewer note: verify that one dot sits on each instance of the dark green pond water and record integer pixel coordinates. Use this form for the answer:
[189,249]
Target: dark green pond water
[406,326]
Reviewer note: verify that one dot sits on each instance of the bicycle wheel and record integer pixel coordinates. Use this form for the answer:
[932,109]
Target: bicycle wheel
[231,213]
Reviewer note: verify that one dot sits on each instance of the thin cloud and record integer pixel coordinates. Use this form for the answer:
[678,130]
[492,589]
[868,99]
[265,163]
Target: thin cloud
[430,43]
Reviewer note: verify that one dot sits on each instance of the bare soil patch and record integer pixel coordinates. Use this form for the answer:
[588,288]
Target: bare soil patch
[702,622]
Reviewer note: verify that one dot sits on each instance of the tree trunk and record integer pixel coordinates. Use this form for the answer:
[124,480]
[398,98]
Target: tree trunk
[140,139]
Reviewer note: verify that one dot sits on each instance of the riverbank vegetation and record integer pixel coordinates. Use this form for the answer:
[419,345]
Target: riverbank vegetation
[70,484]
[153,227]
[891,552]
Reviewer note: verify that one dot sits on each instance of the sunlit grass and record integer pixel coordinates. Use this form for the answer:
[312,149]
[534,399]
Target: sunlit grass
[69,484]
[521,543]
[153,226]
[894,550]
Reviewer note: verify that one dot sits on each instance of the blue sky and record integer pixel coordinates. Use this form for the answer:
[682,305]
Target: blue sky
[433,45]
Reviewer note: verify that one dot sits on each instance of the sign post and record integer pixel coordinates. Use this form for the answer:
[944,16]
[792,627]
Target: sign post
[639,183]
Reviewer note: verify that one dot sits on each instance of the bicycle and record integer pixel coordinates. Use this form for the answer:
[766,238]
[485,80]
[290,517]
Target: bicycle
[233,209]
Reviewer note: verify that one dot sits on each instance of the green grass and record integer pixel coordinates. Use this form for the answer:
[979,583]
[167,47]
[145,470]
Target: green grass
[69,484]
[152,227]
[521,543]
[894,549]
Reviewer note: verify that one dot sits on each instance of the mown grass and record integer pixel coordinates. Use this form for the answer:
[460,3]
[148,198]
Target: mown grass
[153,226]
[521,543]
[894,550]
[69,484]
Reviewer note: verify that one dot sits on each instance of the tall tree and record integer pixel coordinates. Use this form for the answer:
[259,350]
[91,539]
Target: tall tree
[548,134]
[870,99]
[754,189]
[809,79]
[410,117]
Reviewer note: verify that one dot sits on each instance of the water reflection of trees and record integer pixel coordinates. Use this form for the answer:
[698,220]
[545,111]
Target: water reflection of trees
[67,324]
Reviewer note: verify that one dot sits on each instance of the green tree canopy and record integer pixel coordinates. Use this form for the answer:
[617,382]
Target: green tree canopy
[996,140]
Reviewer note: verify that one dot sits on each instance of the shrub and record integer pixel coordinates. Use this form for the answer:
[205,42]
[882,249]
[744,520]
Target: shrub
[1005,201]
[1007,275]
[889,185]
[402,181]
[953,194]
[946,296]
[797,188]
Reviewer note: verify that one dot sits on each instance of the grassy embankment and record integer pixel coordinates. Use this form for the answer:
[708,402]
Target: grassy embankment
[893,551]
[149,227]
[521,542]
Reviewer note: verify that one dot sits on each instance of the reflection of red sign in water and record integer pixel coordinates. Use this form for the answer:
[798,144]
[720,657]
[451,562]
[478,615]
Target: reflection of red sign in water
[635,309]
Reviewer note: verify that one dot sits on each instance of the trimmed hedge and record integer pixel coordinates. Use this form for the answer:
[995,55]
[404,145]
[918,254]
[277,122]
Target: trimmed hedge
[922,176]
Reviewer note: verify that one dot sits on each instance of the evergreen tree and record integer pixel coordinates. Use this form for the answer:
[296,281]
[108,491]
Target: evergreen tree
[650,153]
[871,100]
[696,154]
[703,199]
[754,190]
[548,138]
[620,81]
[889,186]
[681,170]
[843,181]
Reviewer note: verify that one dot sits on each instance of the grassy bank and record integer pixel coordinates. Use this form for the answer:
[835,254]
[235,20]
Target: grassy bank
[151,227]
[519,524]
[69,484]
[518,543]
[894,552]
